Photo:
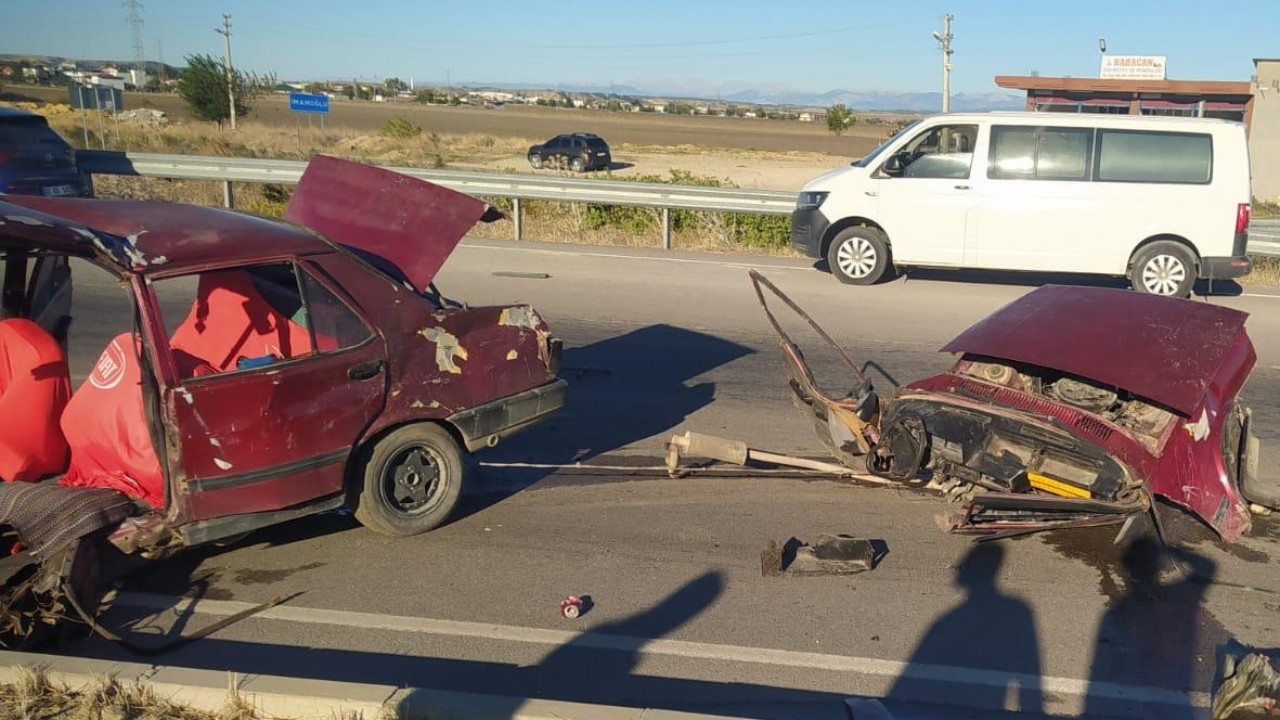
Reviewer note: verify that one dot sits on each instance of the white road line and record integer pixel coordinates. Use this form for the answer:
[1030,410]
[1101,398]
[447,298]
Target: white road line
[675,648]
[689,261]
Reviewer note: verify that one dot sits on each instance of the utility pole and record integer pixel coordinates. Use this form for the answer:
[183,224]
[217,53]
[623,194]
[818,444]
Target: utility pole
[944,43]
[225,31]
[134,18]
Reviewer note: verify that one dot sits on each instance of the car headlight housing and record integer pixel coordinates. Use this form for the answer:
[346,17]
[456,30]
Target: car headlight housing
[810,200]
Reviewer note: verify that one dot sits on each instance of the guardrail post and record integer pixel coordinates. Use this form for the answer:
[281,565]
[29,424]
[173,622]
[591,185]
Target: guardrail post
[666,228]
[515,216]
[228,195]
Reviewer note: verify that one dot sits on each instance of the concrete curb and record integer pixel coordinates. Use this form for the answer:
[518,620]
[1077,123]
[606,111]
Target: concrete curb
[304,699]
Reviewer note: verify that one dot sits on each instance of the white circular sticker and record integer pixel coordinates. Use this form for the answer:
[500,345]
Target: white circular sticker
[109,370]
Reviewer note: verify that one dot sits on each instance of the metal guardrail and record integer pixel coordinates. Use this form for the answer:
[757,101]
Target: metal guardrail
[1264,235]
[517,187]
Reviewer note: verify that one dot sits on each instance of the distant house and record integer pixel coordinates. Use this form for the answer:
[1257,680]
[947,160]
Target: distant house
[749,114]
[701,109]
[579,103]
[110,70]
[806,117]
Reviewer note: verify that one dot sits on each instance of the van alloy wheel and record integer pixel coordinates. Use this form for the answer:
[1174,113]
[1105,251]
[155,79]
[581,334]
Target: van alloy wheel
[856,257]
[1163,275]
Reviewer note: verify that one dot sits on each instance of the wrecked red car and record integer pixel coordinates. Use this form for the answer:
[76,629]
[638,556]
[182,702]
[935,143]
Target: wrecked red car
[269,370]
[1068,407]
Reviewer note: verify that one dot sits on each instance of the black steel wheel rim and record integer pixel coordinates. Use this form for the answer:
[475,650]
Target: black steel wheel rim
[413,480]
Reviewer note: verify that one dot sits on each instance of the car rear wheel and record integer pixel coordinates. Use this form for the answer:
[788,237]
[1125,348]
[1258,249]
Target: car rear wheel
[577,164]
[536,161]
[859,256]
[1163,268]
[411,481]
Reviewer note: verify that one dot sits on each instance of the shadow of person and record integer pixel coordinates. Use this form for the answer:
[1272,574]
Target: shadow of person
[1157,634]
[598,663]
[988,631]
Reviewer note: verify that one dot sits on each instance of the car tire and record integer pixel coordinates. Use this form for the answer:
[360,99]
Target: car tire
[1163,268]
[411,481]
[860,256]
[577,164]
[535,160]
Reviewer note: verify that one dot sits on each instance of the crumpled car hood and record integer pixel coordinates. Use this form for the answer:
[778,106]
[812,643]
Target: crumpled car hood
[1164,349]
[411,223]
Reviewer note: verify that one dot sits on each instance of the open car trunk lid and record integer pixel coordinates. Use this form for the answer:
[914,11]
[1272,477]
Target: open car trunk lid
[411,223]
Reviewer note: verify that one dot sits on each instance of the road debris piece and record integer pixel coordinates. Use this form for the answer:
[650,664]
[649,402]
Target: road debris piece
[1249,683]
[693,444]
[571,607]
[828,555]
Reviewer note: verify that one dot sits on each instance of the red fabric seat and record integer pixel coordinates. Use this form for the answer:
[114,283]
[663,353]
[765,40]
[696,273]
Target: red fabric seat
[34,387]
[106,427]
[230,320]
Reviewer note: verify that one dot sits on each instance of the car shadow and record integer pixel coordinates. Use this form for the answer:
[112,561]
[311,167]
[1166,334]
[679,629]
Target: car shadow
[1202,288]
[622,390]
[620,166]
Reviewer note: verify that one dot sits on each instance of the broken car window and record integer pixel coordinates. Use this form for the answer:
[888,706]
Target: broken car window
[334,324]
[234,319]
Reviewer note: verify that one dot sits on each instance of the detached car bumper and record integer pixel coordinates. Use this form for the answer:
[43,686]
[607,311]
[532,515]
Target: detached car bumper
[483,426]
[808,226]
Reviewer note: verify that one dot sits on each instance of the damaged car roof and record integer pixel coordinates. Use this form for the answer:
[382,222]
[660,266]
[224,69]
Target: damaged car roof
[410,223]
[1164,349]
[173,234]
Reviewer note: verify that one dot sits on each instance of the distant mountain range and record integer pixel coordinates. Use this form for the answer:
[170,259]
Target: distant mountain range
[854,99]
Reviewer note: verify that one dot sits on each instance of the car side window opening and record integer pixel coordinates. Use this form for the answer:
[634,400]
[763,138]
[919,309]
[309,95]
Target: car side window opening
[1039,153]
[943,151]
[230,320]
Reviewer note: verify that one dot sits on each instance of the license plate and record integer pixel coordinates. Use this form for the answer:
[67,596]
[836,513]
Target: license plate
[55,190]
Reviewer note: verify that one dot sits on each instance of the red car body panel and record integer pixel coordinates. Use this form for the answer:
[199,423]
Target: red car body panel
[1166,352]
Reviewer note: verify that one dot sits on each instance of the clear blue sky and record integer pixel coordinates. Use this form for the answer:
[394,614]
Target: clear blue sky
[703,46]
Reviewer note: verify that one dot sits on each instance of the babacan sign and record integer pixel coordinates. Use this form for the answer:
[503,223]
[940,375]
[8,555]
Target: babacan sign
[308,102]
[1133,67]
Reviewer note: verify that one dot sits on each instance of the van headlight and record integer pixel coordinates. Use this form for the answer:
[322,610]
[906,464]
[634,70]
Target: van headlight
[810,200]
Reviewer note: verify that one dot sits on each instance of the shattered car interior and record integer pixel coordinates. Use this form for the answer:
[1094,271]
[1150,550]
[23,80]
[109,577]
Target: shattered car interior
[1068,407]
[269,370]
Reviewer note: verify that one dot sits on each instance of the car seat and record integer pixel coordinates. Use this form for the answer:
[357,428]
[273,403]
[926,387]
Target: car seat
[106,427]
[35,386]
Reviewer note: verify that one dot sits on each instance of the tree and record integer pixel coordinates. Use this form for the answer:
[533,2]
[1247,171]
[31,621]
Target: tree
[203,85]
[395,85]
[839,118]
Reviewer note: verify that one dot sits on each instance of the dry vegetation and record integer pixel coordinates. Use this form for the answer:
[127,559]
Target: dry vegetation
[36,697]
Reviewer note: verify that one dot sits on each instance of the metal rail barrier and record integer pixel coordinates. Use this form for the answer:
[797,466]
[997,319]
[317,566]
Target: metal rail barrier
[1264,235]
[508,185]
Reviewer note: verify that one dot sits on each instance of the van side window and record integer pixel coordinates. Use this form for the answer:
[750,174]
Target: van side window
[943,151]
[1154,157]
[1039,153]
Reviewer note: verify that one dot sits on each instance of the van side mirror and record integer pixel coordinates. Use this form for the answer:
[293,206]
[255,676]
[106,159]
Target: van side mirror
[893,166]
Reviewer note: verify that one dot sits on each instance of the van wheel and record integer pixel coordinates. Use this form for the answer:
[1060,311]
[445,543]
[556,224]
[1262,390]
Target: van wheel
[859,256]
[536,161]
[1163,268]
[411,482]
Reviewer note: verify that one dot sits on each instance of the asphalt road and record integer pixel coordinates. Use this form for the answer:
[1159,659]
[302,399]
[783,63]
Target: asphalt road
[682,617]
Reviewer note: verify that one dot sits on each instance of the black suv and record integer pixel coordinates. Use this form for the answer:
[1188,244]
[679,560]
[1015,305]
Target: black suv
[35,160]
[576,151]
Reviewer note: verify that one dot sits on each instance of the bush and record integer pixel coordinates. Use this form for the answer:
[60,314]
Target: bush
[398,127]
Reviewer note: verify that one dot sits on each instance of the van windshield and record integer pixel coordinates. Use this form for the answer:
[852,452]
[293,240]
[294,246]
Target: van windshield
[870,157]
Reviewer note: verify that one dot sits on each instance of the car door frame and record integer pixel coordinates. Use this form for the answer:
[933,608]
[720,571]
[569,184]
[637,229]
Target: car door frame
[327,471]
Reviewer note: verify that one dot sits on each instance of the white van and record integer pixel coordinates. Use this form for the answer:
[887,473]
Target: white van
[1161,200]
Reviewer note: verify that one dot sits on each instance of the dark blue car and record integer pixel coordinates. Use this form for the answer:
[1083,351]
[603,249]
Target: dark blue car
[35,160]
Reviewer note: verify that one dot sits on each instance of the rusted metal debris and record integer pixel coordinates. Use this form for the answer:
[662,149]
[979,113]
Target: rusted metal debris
[828,555]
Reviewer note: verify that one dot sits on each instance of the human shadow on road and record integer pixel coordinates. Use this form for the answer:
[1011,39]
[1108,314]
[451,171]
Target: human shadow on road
[597,666]
[988,631]
[1156,634]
